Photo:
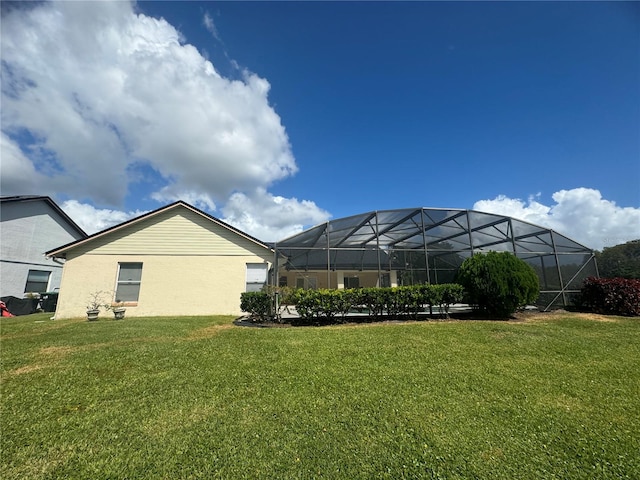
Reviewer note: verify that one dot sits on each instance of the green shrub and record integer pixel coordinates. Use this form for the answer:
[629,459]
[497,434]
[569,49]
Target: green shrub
[322,306]
[329,306]
[432,296]
[392,300]
[446,295]
[409,300]
[498,283]
[372,298]
[257,304]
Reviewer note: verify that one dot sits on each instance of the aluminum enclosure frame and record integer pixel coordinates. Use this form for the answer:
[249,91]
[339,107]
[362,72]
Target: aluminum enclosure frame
[428,245]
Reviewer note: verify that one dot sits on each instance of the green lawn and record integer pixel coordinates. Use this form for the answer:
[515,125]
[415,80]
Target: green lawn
[171,398]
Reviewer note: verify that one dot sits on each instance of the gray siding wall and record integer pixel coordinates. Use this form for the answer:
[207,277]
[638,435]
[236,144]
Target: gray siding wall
[27,230]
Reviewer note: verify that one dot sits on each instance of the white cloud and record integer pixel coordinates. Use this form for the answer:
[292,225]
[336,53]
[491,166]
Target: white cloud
[93,90]
[92,219]
[260,214]
[580,214]
[100,88]
[207,21]
[271,218]
[18,173]
[198,200]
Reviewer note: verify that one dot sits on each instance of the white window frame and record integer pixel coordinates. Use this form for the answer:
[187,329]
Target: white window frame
[46,288]
[256,277]
[130,281]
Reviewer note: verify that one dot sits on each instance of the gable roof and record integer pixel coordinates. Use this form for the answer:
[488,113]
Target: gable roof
[60,252]
[50,202]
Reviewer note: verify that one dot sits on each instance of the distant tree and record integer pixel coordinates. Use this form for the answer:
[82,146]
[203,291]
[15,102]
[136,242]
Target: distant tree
[498,283]
[620,261]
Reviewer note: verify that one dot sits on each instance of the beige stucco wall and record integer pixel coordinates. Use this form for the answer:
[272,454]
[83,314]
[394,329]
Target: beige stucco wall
[191,265]
[170,285]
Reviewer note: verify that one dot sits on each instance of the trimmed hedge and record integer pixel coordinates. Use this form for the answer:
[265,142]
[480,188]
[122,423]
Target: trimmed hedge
[322,305]
[257,304]
[327,306]
[614,296]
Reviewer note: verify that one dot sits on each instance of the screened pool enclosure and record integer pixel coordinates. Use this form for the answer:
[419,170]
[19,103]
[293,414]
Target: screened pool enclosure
[427,245]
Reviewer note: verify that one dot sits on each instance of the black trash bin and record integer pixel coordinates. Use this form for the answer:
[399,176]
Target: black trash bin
[49,301]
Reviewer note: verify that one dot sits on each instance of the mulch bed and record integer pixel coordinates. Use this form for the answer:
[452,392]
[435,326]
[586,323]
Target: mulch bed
[361,319]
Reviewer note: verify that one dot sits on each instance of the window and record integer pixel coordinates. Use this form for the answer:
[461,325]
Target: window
[37,281]
[129,276]
[351,282]
[256,276]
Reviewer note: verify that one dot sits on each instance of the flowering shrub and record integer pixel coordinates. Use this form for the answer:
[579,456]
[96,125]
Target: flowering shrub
[616,296]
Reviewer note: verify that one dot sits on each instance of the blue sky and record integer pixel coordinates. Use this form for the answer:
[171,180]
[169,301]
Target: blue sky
[279,115]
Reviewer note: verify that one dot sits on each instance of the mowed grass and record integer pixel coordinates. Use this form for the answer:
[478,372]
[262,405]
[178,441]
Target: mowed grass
[197,397]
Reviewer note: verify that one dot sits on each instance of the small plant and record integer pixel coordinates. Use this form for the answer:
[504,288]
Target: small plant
[118,309]
[95,302]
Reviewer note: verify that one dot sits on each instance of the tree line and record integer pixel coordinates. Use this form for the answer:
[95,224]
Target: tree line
[620,261]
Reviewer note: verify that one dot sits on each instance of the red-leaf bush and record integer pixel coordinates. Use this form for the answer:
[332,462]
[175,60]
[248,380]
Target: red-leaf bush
[615,296]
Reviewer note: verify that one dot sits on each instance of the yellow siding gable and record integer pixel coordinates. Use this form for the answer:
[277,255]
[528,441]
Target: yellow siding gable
[178,231]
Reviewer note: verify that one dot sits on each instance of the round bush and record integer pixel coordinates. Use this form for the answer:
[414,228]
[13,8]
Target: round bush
[498,283]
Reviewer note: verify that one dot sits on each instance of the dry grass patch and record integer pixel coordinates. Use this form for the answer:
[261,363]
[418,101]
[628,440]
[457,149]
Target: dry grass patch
[171,421]
[23,370]
[563,314]
[45,357]
[208,332]
[56,353]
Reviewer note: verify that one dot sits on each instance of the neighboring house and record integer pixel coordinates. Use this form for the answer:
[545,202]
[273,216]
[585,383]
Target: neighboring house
[29,226]
[176,260]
